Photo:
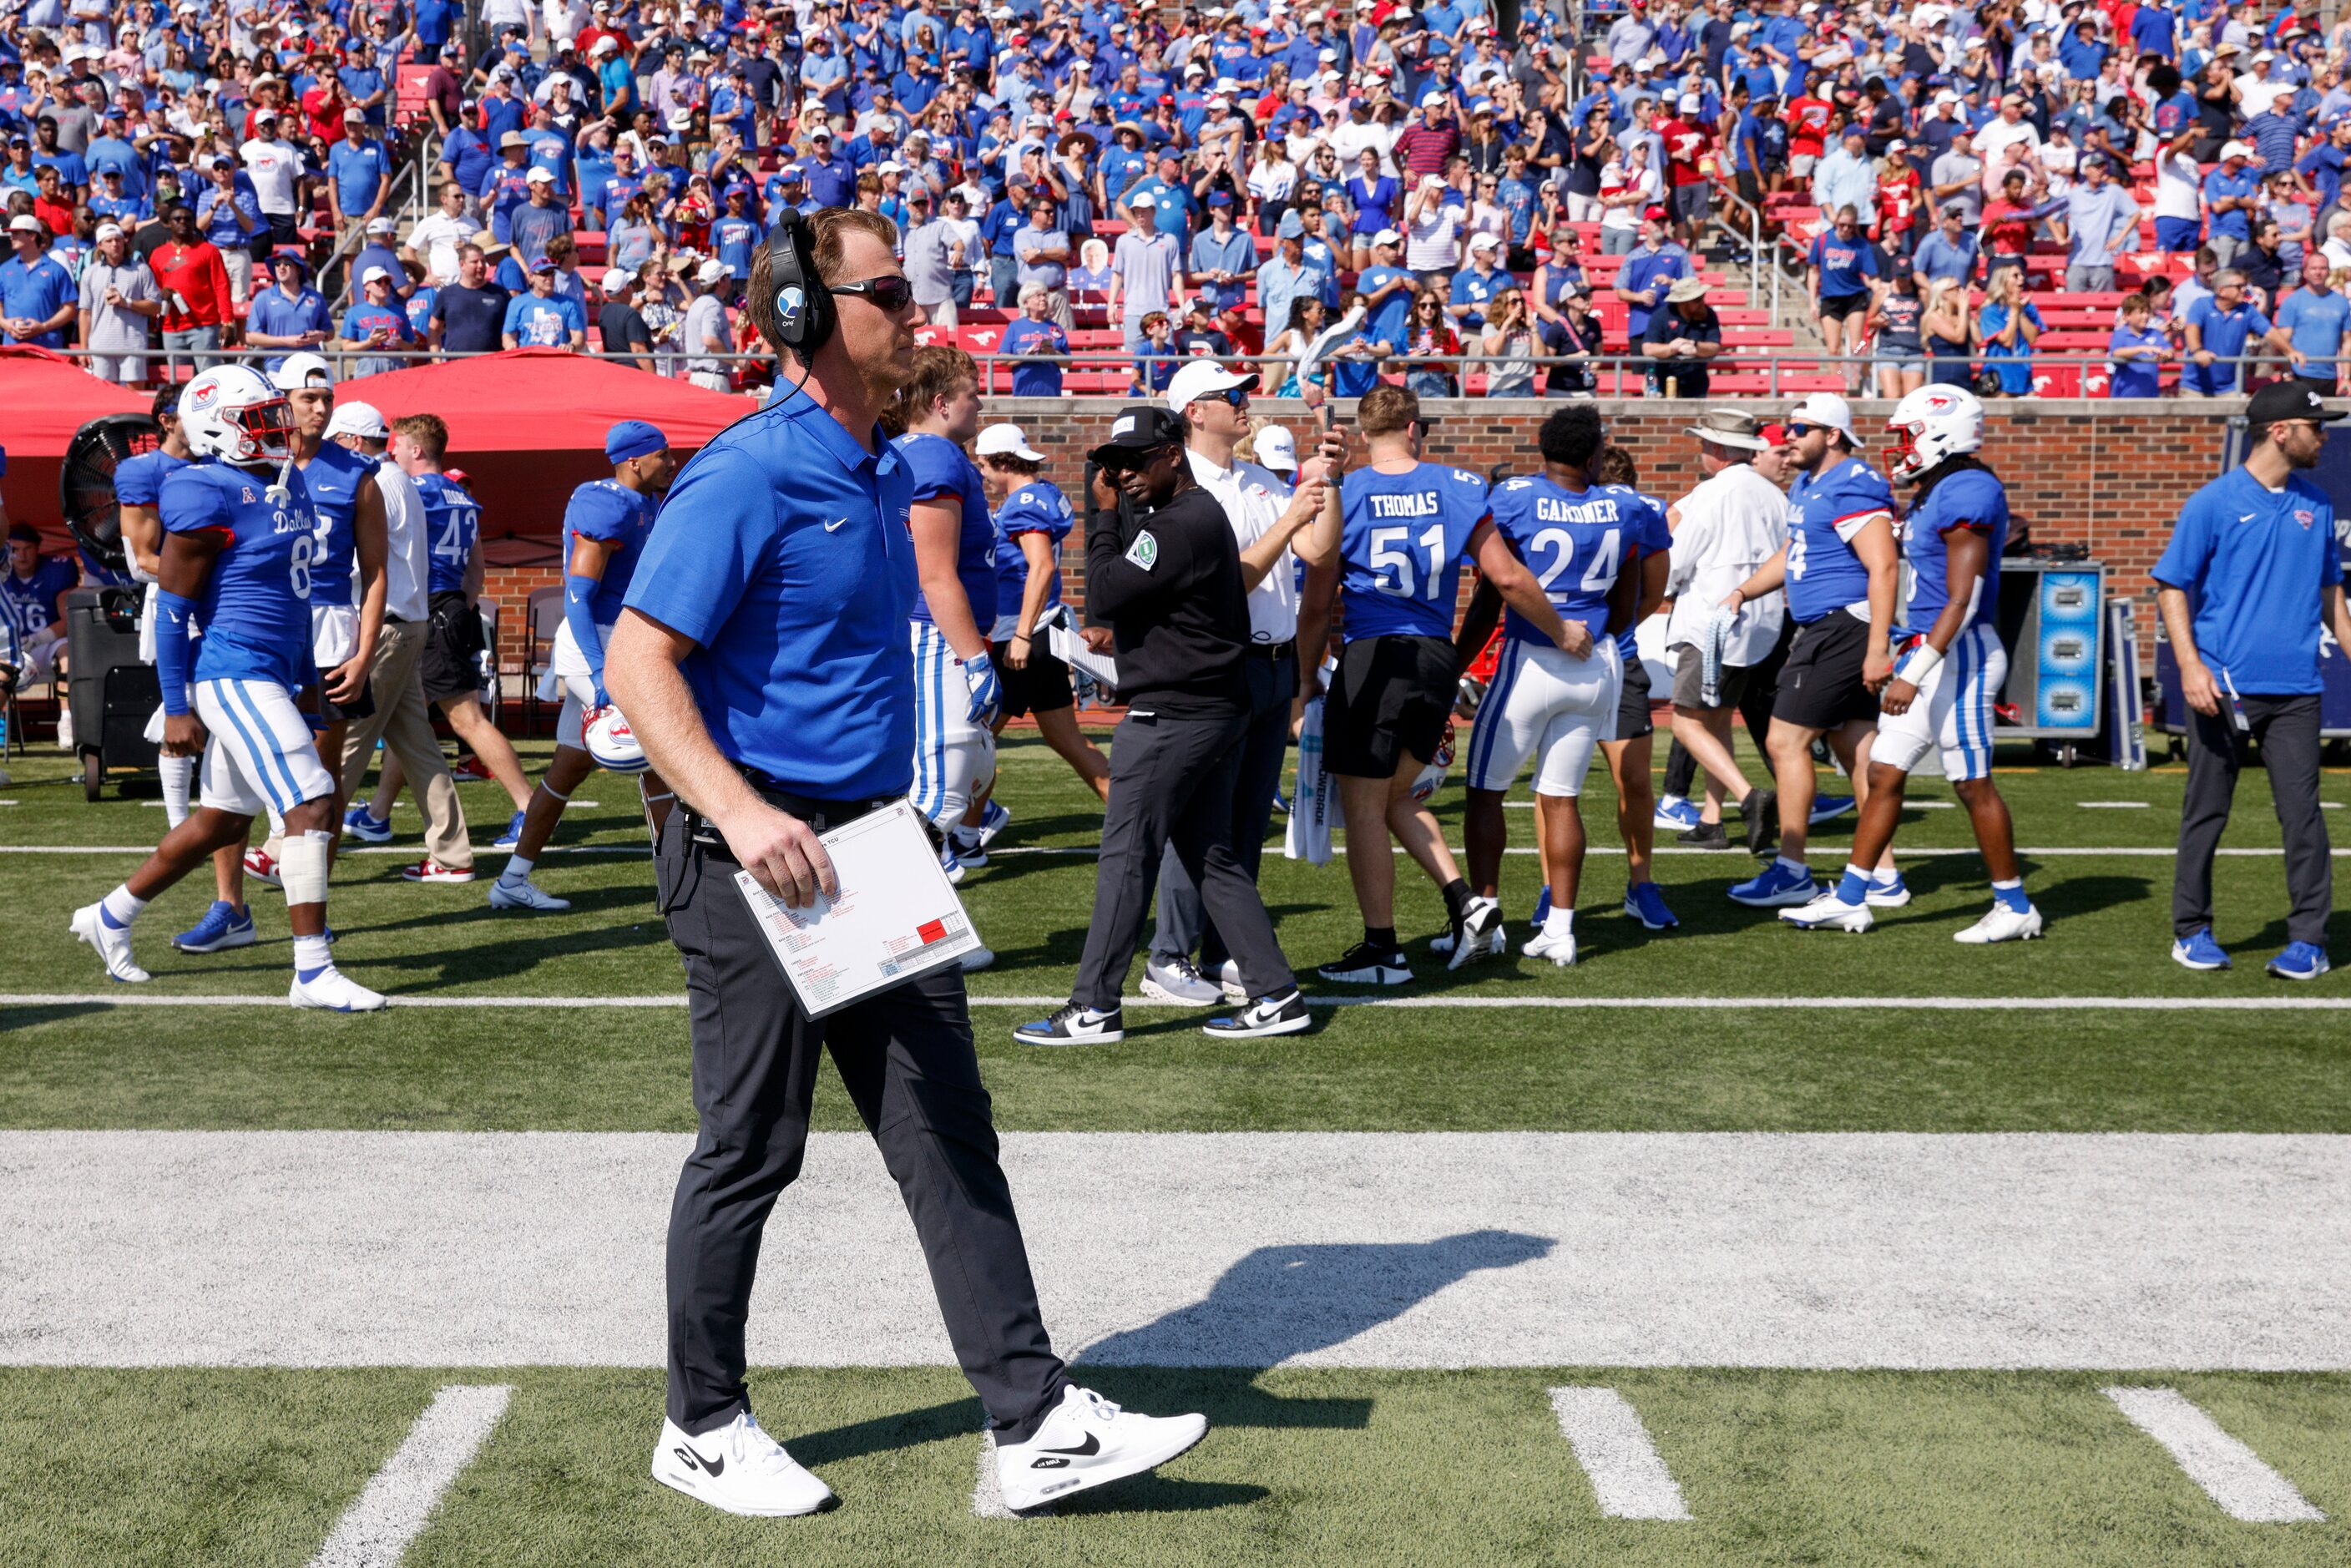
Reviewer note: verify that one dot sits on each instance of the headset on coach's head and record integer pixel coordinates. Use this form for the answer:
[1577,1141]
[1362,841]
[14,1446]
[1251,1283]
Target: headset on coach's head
[805,313]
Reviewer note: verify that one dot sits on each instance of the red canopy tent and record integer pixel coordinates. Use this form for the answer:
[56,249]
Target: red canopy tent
[43,399]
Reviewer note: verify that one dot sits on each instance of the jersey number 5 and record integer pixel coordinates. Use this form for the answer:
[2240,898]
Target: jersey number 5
[1394,565]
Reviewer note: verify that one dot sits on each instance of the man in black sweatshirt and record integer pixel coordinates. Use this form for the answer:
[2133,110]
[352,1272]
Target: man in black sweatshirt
[1164,573]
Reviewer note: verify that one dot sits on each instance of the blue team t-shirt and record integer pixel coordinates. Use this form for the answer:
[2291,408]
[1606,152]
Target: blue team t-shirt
[1401,546]
[1971,498]
[1037,507]
[1574,543]
[1847,265]
[608,511]
[785,551]
[937,469]
[2254,562]
[256,605]
[1824,514]
[1650,536]
[545,323]
[333,478]
[138,480]
[452,522]
[32,601]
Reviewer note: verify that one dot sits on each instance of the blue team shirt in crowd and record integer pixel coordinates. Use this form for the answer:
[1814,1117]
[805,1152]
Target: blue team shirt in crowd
[1972,499]
[608,510]
[1402,539]
[2225,334]
[2254,562]
[2136,377]
[358,171]
[2315,320]
[274,315]
[1643,271]
[333,478]
[936,467]
[785,551]
[452,521]
[32,601]
[1037,507]
[256,605]
[1574,541]
[36,292]
[1847,267]
[1823,512]
[545,323]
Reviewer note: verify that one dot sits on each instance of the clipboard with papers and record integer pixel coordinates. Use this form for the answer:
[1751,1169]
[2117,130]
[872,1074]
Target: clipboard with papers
[894,918]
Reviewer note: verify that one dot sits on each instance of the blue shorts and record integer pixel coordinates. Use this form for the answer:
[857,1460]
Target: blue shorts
[2178,234]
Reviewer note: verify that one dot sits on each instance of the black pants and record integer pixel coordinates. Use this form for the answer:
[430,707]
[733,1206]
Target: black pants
[907,1058]
[1183,927]
[2287,728]
[1171,785]
[1754,711]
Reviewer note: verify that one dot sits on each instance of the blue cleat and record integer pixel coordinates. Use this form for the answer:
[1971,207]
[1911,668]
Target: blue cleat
[359,825]
[1892,893]
[513,833]
[1542,909]
[224,925]
[1676,814]
[1828,808]
[1645,903]
[2299,961]
[1777,888]
[2197,950]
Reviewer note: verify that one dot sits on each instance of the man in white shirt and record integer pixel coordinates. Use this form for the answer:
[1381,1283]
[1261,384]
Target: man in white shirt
[2008,126]
[401,720]
[1267,517]
[1734,521]
[275,166]
[437,236]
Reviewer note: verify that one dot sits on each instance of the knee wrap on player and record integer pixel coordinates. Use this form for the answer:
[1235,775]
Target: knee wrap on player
[302,871]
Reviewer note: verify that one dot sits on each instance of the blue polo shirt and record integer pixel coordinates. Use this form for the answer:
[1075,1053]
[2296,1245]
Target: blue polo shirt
[358,171]
[2236,221]
[784,551]
[2254,562]
[1644,270]
[36,291]
[2225,333]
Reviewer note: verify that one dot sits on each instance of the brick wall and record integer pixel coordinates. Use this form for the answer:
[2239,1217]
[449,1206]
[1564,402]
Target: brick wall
[2105,473]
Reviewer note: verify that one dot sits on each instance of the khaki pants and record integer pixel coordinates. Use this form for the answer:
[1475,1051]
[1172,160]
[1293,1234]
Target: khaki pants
[403,721]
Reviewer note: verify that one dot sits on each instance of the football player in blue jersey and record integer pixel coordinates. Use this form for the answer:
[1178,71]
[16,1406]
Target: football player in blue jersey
[1553,702]
[1630,752]
[957,695]
[1952,664]
[240,540]
[605,527]
[1402,529]
[1842,570]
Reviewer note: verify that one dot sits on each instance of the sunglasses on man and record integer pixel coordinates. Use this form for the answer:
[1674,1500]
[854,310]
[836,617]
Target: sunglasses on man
[892,294]
[1116,463]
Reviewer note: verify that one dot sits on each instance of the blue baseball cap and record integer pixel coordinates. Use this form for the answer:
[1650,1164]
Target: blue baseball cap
[633,438]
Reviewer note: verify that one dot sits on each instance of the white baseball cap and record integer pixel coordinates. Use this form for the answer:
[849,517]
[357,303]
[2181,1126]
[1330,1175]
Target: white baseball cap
[26,224]
[1139,199]
[372,273]
[383,226]
[2235,149]
[1276,449]
[1006,441]
[1825,409]
[105,232]
[1202,378]
[711,271]
[539,177]
[617,279]
[360,418]
[301,371]
[1387,237]
[1484,241]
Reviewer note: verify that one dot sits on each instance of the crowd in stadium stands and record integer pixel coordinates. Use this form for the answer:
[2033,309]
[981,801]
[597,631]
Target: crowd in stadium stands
[1354,192]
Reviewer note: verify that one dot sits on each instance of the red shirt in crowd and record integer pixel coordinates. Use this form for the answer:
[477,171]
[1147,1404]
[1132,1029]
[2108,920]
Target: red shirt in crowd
[195,273]
[1423,149]
[1808,125]
[1898,201]
[1687,143]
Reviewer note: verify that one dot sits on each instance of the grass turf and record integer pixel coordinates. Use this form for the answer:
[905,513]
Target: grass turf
[1303,1468]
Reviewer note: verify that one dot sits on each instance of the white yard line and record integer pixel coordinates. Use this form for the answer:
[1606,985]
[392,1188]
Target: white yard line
[2112,805]
[127,997]
[399,1498]
[1828,1251]
[1614,1447]
[2232,1474]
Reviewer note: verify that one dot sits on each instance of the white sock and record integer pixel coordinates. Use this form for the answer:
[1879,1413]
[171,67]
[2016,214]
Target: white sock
[1862,872]
[1886,878]
[1558,921]
[121,906]
[179,781]
[517,868]
[1799,867]
[312,954]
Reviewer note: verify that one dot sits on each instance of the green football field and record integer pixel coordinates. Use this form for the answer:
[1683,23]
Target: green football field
[1419,1430]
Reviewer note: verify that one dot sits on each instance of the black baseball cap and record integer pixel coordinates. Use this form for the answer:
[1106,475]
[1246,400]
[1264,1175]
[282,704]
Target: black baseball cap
[1140,427]
[2281,400]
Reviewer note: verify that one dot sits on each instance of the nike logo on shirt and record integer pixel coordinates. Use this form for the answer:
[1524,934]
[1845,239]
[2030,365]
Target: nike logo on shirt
[835,526]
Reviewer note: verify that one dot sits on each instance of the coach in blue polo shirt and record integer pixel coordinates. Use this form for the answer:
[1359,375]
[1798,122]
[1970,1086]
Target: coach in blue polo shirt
[2251,573]
[763,662]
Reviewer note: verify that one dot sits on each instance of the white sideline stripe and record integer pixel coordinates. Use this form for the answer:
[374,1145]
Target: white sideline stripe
[398,1500]
[1614,1447]
[1902,851]
[2283,1004]
[2232,1474]
[2112,805]
[1822,1251]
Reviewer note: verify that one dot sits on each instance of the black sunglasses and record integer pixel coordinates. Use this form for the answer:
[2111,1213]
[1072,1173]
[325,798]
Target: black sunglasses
[892,293]
[1130,461]
[1236,396]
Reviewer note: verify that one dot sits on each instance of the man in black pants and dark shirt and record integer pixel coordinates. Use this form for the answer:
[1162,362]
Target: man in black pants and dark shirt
[1166,576]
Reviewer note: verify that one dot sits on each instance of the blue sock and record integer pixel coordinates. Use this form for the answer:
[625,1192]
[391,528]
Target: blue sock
[2010,896]
[1853,887]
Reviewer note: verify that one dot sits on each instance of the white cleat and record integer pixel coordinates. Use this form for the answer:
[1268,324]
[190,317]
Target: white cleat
[1829,912]
[507,894]
[331,990]
[1086,1442]
[1498,942]
[1479,934]
[738,1468]
[1557,946]
[113,942]
[2002,925]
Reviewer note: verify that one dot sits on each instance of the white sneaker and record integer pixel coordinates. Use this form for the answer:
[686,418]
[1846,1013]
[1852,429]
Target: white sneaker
[739,1468]
[1480,932]
[114,944]
[1559,946]
[331,990]
[978,958]
[1086,1442]
[2002,925]
[507,894]
[1829,912]
[1178,982]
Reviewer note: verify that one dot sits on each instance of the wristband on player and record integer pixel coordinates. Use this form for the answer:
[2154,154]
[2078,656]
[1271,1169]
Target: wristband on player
[580,614]
[174,616]
[1919,663]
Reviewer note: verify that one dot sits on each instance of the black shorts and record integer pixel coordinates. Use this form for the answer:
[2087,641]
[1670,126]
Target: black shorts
[452,637]
[1690,201]
[1821,685]
[1842,305]
[1042,687]
[1392,695]
[360,706]
[1633,720]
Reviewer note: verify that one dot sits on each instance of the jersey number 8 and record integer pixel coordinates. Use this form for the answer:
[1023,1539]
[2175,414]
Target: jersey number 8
[297,563]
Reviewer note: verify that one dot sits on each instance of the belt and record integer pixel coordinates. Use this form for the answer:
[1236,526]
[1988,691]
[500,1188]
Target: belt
[1271,652]
[823,816]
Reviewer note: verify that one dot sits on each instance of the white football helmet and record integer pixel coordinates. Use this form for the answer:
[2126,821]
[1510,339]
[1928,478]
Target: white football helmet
[232,413]
[1930,425]
[611,742]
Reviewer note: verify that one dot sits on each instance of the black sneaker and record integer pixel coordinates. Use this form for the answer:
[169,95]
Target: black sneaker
[1074,1025]
[1473,933]
[1705,836]
[1761,811]
[1284,1014]
[1364,964]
